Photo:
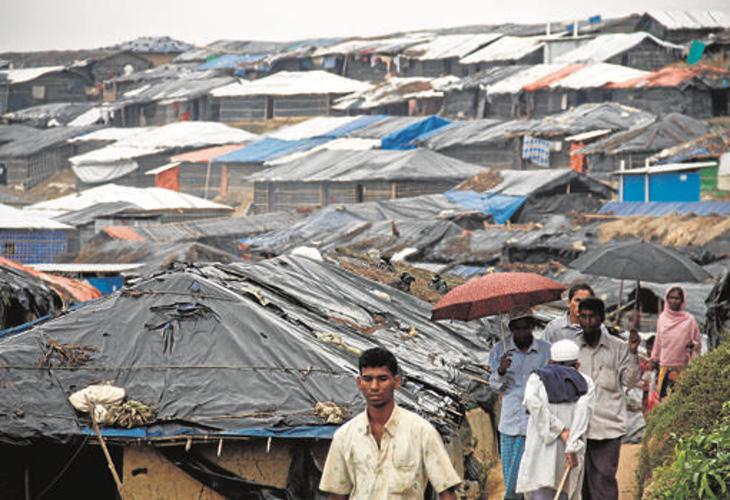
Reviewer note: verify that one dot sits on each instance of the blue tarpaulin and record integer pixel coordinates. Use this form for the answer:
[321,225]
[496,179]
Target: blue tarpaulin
[269,149]
[404,138]
[230,61]
[106,284]
[361,122]
[301,432]
[657,209]
[501,207]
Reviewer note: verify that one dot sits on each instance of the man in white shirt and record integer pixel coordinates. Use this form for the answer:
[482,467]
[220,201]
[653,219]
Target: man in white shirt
[560,402]
[386,451]
[568,326]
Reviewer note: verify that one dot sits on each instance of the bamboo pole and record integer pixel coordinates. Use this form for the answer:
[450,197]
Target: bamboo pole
[562,483]
[109,461]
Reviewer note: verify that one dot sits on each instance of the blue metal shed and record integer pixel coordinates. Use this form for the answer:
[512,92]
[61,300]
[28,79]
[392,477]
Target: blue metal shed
[664,183]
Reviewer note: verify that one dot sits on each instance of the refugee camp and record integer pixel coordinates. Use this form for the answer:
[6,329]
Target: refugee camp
[395,250]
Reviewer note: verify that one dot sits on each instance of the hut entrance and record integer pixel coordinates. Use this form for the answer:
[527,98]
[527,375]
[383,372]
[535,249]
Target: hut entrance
[359,193]
[719,102]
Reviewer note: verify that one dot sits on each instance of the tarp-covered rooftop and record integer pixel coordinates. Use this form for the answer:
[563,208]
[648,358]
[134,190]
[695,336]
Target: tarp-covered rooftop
[348,166]
[278,337]
[293,83]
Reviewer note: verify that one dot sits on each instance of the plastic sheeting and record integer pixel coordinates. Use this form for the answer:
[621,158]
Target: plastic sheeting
[269,149]
[223,348]
[404,138]
[500,207]
[348,166]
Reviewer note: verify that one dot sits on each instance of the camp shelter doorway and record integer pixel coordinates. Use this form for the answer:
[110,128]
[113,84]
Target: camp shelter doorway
[359,193]
[3,175]
[719,102]
[75,470]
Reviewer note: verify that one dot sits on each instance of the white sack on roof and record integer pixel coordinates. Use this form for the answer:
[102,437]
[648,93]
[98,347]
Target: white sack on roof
[13,218]
[449,46]
[293,83]
[598,75]
[28,74]
[152,198]
[604,47]
[507,48]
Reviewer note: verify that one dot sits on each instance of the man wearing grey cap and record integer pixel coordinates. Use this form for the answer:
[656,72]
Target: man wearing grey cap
[560,402]
[511,363]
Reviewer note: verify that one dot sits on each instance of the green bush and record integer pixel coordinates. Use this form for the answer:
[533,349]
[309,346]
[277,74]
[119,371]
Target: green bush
[701,466]
[694,405]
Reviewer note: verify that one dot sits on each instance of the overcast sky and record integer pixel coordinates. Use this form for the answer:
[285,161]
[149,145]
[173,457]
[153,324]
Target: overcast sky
[75,24]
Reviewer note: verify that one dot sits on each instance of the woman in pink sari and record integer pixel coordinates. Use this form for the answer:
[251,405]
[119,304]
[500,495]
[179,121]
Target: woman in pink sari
[677,339]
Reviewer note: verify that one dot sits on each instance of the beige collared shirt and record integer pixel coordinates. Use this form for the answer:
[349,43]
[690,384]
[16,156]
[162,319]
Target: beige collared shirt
[411,453]
[612,367]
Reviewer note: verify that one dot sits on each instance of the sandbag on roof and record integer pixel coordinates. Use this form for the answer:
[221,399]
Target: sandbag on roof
[229,350]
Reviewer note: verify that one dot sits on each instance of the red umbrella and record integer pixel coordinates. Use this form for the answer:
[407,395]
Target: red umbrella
[496,293]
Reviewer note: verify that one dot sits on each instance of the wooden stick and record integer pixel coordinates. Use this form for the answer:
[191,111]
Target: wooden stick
[109,461]
[562,482]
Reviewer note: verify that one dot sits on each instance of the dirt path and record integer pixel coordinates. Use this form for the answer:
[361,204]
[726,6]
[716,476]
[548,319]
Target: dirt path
[626,475]
[627,466]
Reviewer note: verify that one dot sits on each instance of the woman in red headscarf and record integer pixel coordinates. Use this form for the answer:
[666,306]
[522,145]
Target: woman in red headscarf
[677,339]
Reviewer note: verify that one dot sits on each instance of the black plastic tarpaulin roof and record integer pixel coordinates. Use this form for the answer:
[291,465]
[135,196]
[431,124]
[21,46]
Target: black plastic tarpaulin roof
[230,349]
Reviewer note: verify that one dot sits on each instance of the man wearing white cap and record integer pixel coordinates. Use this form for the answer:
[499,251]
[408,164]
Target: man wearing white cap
[560,402]
[511,363]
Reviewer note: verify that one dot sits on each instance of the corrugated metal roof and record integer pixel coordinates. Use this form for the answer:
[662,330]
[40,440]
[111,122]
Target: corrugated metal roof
[13,218]
[683,19]
[28,74]
[293,83]
[507,48]
[597,75]
[74,267]
[604,47]
[658,209]
[386,126]
[449,46]
[152,198]
[350,166]
[269,149]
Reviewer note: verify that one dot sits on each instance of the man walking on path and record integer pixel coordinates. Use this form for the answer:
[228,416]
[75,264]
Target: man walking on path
[511,363]
[386,451]
[560,402]
[567,326]
[612,364]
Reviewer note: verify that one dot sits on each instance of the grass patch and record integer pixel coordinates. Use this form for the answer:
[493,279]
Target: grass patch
[695,404]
